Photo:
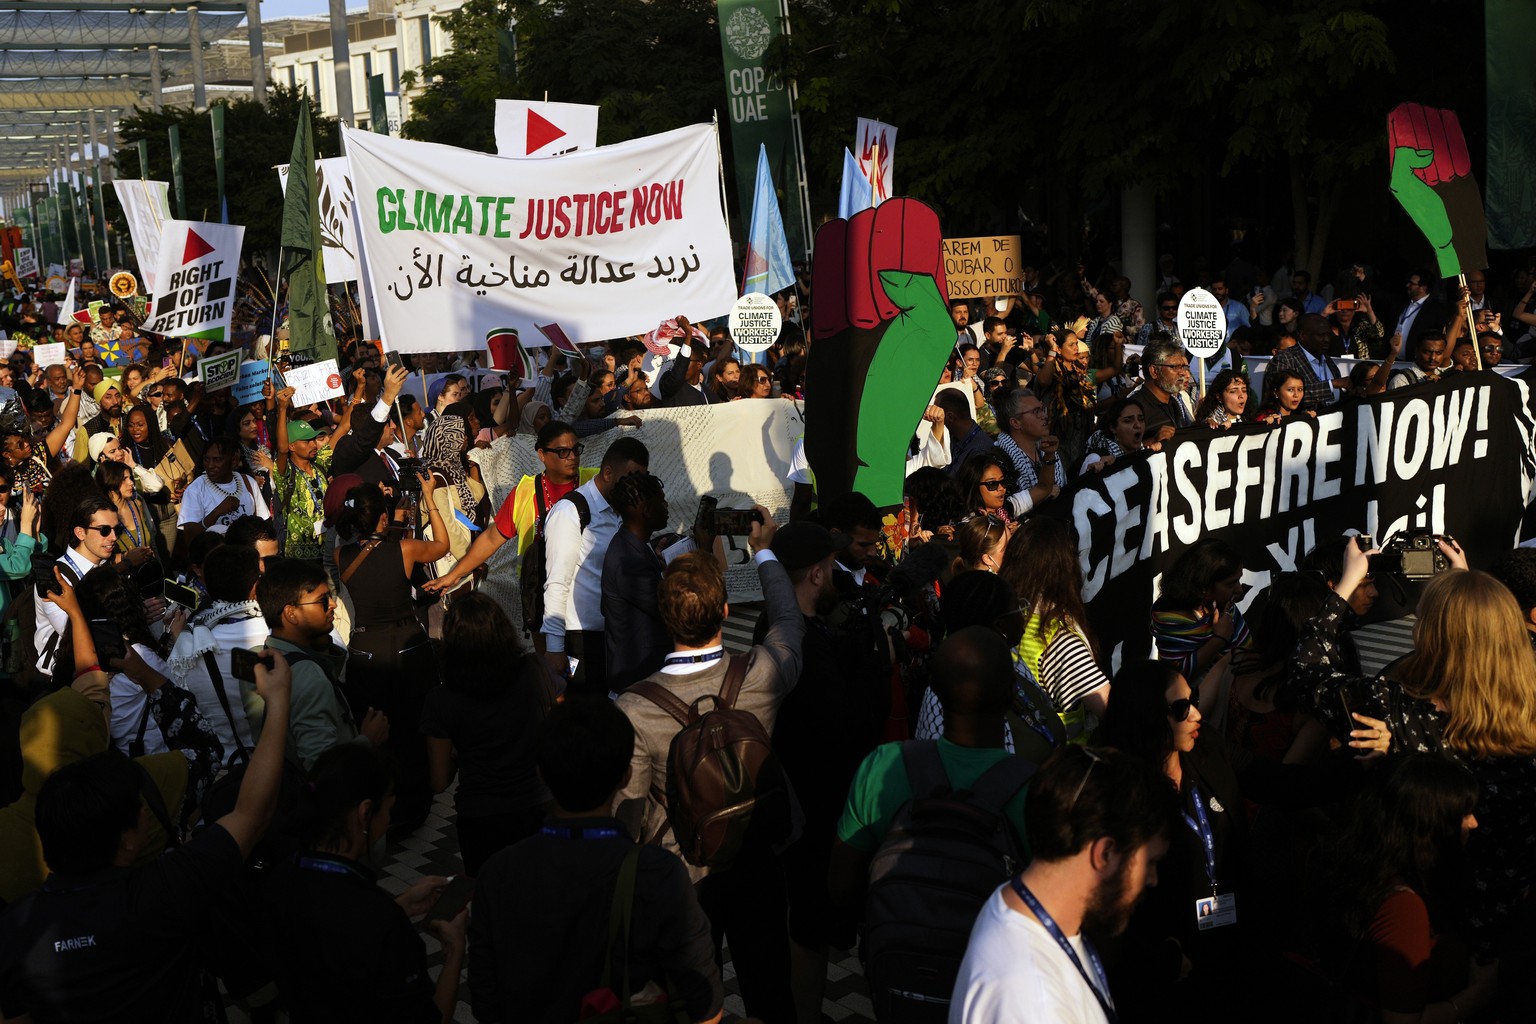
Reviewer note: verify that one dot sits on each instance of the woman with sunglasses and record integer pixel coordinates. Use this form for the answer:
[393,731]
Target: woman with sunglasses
[756,382]
[984,483]
[1180,945]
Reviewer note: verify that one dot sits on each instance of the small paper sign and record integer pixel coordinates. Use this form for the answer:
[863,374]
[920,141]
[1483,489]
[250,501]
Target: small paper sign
[51,354]
[315,383]
[219,372]
[254,374]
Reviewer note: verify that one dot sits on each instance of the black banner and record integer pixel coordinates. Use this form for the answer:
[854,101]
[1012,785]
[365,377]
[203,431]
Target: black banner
[1458,457]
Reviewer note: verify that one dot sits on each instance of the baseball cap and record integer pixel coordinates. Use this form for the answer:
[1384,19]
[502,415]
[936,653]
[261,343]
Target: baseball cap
[800,545]
[298,430]
[336,493]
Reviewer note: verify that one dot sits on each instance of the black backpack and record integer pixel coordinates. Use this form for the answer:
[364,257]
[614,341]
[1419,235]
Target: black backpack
[946,852]
[530,575]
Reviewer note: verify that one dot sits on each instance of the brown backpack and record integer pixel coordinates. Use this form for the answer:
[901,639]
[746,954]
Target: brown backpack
[725,788]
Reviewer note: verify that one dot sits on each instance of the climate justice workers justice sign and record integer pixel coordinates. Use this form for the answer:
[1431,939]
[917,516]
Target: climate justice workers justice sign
[606,242]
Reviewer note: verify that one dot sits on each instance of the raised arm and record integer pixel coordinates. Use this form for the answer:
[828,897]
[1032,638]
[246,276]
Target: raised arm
[66,426]
[263,775]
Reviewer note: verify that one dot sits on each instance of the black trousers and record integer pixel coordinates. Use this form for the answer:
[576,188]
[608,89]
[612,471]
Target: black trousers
[746,907]
[392,666]
[589,648]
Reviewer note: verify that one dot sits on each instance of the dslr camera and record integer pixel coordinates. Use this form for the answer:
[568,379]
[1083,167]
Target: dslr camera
[1413,555]
[408,470]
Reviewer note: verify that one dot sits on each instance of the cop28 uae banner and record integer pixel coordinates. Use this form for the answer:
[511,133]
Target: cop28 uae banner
[1458,458]
[605,242]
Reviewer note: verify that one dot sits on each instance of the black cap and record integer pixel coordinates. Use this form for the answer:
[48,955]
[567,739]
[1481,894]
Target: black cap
[800,545]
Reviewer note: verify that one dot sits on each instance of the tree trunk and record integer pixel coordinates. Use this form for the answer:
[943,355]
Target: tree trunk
[1301,257]
[1327,209]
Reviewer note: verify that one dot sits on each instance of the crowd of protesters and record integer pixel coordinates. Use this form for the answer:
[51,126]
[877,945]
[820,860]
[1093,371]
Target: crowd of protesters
[244,647]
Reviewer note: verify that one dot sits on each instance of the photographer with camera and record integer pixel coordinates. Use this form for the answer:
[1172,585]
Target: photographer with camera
[1465,691]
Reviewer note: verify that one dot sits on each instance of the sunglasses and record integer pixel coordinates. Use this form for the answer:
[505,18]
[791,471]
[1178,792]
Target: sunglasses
[1179,710]
[106,531]
[562,453]
[993,485]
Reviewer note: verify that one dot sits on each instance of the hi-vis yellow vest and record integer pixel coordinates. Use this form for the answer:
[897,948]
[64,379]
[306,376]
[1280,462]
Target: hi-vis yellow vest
[1030,655]
[525,511]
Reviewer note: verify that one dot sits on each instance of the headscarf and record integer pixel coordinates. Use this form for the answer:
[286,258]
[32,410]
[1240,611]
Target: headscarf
[530,413]
[443,451]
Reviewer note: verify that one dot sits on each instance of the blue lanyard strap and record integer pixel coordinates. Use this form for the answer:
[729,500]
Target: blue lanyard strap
[330,867]
[1099,983]
[560,832]
[1201,826]
[693,659]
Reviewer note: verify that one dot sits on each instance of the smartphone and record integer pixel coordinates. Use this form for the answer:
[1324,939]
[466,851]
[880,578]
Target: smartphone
[1345,304]
[1357,697]
[392,359]
[181,594]
[243,662]
[43,577]
[454,899]
[107,638]
[734,522]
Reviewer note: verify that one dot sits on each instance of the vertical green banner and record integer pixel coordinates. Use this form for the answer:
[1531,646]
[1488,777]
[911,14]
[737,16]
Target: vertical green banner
[143,159]
[99,236]
[69,222]
[758,110]
[216,116]
[378,112]
[181,194]
[1511,191]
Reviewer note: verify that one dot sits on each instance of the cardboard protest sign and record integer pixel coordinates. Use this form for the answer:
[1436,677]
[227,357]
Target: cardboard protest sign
[196,297]
[254,373]
[1431,176]
[7,347]
[528,128]
[26,263]
[882,332]
[338,235]
[51,354]
[979,268]
[316,382]
[1458,458]
[605,242]
[219,372]
[147,207]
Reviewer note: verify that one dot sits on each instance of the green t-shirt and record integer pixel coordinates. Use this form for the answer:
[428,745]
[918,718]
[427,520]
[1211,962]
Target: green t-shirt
[880,788]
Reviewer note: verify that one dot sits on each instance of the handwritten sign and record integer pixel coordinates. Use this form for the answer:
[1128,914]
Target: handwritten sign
[51,354]
[26,263]
[316,382]
[605,242]
[254,373]
[980,268]
[219,372]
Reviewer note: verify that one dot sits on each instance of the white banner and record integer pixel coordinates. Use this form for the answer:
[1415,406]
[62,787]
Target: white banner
[26,263]
[872,133]
[147,209]
[198,264]
[694,452]
[529,128]
[333,184]
[606,242]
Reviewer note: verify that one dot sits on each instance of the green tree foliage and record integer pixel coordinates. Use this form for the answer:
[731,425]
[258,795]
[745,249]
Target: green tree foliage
[257,138]
[652,67]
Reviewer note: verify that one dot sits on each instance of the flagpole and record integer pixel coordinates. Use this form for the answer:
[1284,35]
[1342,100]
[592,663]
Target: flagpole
[720,162]
[272,337]
[1461,280]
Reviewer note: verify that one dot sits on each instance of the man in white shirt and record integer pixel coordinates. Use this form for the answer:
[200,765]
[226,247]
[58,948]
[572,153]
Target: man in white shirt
[1097,822]
[573,570]
[94,526]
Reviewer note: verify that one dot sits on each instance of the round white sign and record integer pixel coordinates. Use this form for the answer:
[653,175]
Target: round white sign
[1202,323]
[755,322]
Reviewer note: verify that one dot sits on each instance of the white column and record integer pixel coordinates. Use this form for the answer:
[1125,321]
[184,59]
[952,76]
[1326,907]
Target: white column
[341,57]
[1138,245]
[258,51]
[195,39]
[156,80]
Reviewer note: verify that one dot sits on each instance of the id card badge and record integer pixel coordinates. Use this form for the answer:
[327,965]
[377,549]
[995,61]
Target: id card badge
[1216,911]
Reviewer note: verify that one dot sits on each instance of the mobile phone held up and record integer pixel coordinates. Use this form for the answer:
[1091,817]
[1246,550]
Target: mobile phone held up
[242,664]
[455,898]
[726,522]
[181,594]
[42,575]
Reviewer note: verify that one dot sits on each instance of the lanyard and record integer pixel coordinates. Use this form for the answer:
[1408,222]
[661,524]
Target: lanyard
[693,659]
[1201,826]
[560,832]
[1100,986]
[330,867]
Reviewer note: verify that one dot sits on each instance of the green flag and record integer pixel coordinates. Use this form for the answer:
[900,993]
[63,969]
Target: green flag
[143,159]
[99,236]
[309,311]
[181,192]
[378,110]
[1511,123]
[216,116]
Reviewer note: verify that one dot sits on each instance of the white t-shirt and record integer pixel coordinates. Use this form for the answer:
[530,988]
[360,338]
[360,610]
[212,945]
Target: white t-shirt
[1014,973]
[128,699]
[203,496]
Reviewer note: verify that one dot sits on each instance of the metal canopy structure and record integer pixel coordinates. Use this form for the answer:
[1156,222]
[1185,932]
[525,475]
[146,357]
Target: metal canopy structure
[70,68]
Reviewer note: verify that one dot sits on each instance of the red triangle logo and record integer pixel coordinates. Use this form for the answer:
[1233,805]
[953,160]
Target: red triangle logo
[541,132]
[197,248]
